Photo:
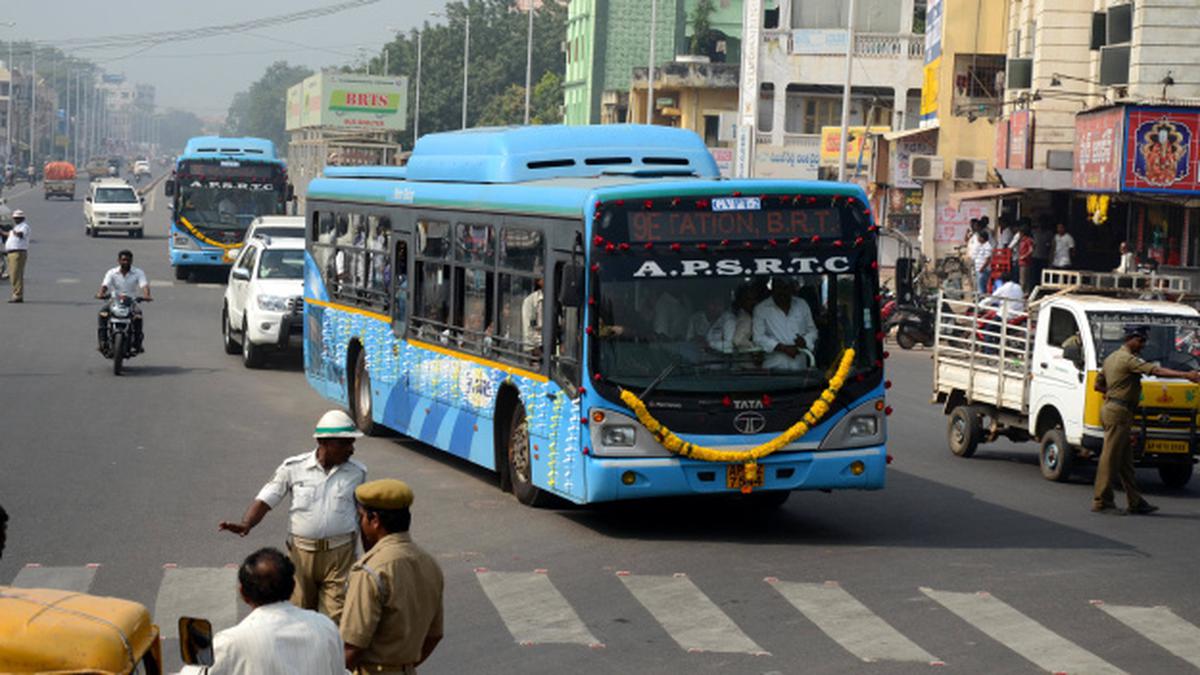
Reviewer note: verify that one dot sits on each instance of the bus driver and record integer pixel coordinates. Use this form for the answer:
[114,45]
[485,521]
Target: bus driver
[783,325]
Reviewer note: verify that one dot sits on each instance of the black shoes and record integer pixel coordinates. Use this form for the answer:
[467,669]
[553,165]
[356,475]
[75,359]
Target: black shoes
[1107,509]
[1143,508]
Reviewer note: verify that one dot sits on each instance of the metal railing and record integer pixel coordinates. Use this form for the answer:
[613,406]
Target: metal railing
[992,340]
[889,45]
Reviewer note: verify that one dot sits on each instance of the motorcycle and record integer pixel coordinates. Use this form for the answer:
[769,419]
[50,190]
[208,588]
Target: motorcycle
[118,342]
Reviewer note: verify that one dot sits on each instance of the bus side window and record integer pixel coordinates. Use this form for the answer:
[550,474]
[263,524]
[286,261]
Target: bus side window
[474,286]
[400,288]
[568,347]
[431,292]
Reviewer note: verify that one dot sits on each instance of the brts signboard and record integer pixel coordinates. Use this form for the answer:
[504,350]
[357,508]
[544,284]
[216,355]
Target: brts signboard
[1153,149]
[348,101]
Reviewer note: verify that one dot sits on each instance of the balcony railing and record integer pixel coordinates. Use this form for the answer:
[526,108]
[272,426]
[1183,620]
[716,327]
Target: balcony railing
[866,45]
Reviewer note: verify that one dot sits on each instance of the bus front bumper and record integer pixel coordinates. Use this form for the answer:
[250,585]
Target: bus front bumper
[625,478]
[197,257]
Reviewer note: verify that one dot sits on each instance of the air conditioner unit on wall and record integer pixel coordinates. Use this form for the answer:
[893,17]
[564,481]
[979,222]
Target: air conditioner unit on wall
[973,170]
[925,167]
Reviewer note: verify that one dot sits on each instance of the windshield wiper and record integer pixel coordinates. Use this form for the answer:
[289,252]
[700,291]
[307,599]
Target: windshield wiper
[666,372]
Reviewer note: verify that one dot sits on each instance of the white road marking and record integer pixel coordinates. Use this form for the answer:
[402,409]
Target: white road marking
[1045,648]
[78,579]
[208,592]
[1161,626]
[533,610]
[160,284]
[857,629]
[207,285]
[67,280]
[688,615]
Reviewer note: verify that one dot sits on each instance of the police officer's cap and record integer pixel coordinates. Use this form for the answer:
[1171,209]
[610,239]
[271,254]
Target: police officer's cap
[387,494]
[1138,331]
[336,424]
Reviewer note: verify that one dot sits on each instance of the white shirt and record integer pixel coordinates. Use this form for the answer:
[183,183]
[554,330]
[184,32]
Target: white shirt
[1010,291]
[125,284]
[772,327]
[1128,264]
[730,333]
[1006,237]
[983,255]
[322,503]
[531,319]
[18,237]
[277,639]
[1063,243]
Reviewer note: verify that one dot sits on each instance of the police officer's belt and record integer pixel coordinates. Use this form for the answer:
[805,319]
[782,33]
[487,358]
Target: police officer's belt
[1124,404]
[306,544]
[407,668]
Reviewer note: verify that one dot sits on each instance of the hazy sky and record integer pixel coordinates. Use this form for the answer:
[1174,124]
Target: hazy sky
[203,75]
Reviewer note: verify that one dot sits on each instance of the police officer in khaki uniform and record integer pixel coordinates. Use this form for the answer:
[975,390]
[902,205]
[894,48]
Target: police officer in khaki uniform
[322,520]
[1122,386]
[392,619]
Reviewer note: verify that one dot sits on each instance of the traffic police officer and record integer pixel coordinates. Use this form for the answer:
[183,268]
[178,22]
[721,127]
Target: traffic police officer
[322,516]
[393,615]
[1122,387]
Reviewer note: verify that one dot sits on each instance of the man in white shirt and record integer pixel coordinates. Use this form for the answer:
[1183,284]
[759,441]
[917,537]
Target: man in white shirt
[1128,264]
[16,248]
[733,331]
[531,318]
[1009,293]
[124,279]
[323,521]
[1064,248]
[982,262]
[782,326]
[1007,233]
[276,638]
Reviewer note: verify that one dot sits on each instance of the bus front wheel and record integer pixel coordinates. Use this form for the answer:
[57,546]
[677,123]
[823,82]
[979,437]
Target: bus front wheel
[520,462]
[181,273]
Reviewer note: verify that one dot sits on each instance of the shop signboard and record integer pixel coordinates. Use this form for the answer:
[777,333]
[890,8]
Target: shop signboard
[934,11]
[1001,155]
[831,145]
[901,157]
[349,101]
[1098,150]
[1161,150]
[952,223]
[1020,140]
[724,160]
[800,160]
[816,41]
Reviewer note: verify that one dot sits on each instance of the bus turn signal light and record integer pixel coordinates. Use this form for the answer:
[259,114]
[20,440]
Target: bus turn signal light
[857,468]
[598,416]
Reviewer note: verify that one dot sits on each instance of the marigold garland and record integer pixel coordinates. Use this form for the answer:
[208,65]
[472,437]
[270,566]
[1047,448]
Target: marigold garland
[677,445]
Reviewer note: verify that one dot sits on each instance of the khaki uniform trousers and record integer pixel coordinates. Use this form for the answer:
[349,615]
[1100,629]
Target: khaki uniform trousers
[1116,458]
[16,273]
[321,578]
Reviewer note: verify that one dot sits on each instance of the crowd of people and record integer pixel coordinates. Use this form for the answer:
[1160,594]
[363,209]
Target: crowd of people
[1018,248]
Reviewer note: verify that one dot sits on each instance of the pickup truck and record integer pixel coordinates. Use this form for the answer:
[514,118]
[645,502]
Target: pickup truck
[1028,373]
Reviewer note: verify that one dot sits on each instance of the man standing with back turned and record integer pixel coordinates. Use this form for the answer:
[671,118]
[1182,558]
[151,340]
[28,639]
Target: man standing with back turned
[322,518]
[393,616]
[1122,387]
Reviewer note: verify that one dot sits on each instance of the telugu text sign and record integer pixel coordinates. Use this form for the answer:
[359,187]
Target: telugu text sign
[1098,150]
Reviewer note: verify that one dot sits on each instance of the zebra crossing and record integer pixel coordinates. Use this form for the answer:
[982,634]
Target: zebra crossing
[534,612]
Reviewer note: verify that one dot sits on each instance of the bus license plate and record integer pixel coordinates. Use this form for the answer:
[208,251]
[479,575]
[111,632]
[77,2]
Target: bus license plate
[1175,447]
[735,477]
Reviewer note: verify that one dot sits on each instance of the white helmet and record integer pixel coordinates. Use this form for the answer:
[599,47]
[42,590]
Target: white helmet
[336,424]
[18,214]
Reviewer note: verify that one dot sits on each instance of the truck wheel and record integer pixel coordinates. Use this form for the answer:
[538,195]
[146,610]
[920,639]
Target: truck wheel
[964,432]
[1056,456]
[1176,474]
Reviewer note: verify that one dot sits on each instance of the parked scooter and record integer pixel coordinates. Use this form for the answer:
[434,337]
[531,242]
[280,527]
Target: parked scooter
[914,324]
[119,340]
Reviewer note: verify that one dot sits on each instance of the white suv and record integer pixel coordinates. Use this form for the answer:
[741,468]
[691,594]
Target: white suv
[264,301]
[112,205]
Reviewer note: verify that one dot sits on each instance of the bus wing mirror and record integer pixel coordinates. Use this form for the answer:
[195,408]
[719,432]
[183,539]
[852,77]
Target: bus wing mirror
[570,287]
[291,192]
[169,187]
[195,641]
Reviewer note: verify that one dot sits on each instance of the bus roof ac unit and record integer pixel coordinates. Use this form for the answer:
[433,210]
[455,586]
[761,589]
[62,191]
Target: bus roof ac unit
[925,167]
[973,170]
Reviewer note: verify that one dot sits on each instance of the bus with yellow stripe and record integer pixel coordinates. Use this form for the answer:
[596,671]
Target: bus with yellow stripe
[218,187]
[571,307]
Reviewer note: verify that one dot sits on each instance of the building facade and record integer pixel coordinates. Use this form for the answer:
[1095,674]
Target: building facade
[5,100]
[608,39]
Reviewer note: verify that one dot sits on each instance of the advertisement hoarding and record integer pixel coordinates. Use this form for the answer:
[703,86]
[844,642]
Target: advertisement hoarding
[800,160]
[349,101]
[1098,150]
[831,145]
[933,61]
[1162,146]
[1020,140]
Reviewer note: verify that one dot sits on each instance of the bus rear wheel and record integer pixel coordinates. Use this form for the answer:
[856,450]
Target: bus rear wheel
[360,401]
[520,461]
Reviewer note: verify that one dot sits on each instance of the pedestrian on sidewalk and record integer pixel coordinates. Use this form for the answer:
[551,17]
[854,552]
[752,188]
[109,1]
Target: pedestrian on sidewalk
[276,638]
[1064,248]
[982,261]
[1025,264]
[323,521]
[1043,247]
[1121,382]
[16,247]
[393,616]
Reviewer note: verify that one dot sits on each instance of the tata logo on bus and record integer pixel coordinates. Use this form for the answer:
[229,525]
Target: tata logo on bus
[736,267]
[341,100]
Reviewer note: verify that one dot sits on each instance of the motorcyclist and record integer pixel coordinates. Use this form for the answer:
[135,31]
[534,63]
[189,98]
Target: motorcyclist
[124,279]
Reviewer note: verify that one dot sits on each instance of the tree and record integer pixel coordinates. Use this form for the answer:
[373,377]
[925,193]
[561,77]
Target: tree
[261,109]
[176,126]
[701,26]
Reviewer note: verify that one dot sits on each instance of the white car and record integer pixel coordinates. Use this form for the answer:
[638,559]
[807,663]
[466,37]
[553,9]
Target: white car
[112,205]
[141,168]
[264,300]
[272,227]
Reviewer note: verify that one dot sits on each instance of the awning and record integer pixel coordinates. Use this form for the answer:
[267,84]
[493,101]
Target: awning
[905,133]
[1036,179]
[957,198]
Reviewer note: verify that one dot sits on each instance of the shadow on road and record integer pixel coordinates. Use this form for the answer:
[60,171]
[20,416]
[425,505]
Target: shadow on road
[911,513]
[138,370]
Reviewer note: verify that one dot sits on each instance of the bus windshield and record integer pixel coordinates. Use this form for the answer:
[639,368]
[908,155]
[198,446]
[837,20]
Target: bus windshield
[217,207]
[737,334]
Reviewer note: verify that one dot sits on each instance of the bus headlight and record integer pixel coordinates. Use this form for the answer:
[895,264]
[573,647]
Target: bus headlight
[863,425]
[272,303]
[181,240]
[618,435]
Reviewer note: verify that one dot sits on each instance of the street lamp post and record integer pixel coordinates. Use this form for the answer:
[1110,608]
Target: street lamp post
[846,97]
[8,114]
[528,62]
[417,101]
[650,70]
[466,65]
[32,100]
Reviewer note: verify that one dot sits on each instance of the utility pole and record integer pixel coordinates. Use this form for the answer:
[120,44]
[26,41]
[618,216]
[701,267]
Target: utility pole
[417,101]
[846,96]
[528,62]
[650,70]
[8,115]
[466,64]
[32,100]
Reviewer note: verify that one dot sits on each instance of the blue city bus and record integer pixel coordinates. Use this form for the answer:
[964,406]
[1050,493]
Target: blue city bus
[219,186]
[513,297]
